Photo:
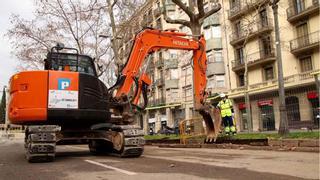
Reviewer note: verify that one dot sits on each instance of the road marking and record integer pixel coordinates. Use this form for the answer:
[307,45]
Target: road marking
[110,167]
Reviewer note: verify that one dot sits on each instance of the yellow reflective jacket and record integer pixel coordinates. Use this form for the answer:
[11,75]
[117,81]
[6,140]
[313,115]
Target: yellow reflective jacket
[225,107]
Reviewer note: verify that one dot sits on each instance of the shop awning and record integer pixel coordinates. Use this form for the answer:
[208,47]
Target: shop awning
[164,106]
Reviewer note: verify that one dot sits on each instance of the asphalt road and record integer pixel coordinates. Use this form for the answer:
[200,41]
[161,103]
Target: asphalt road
[75,162]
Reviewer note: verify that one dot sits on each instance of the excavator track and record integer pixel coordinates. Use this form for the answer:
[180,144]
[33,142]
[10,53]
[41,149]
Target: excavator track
[40,143]
[122,141]
[133,141]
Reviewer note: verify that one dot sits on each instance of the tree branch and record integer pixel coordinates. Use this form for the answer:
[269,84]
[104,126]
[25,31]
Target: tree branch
[215,9]
[186,9]
[178,21]
[200,8]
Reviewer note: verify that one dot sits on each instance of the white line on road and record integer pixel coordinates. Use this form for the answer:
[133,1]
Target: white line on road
[110,167]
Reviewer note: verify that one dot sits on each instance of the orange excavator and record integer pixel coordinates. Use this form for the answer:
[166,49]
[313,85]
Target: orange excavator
[66,103]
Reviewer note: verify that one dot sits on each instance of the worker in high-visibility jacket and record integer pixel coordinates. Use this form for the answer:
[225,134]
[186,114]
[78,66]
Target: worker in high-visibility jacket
[226,108]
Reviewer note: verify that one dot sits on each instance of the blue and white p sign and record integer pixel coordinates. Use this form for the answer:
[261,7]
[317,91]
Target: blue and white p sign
[63,83]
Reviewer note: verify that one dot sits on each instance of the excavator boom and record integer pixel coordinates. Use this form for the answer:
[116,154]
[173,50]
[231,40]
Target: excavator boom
[149,41]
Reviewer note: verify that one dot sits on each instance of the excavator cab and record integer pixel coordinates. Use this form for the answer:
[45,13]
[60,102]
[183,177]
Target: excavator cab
[65,61]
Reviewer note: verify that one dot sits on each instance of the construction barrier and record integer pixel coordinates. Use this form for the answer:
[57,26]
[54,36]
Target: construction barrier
[190,129]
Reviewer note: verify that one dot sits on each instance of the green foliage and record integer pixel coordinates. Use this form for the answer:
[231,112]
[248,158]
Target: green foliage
[161,136]
[3,107]
[292,135]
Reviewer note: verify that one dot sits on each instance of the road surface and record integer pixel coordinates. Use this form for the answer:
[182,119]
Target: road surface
[75,162]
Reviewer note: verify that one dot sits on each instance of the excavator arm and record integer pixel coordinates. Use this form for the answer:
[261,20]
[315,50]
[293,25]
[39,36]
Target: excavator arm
[149,41]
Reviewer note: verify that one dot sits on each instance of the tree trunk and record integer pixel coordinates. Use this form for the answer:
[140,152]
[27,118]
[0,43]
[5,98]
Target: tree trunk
[196,30]
[114,43]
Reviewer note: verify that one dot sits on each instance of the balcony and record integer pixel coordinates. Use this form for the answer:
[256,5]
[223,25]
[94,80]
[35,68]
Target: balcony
[172,83]
[159,63]
[250,31]
[157,12]
[160,101]
[305,9]
[261,58]
[211,20]
[215,68]
[300,79]
[305,43]
[159,82]
[214,43]
[243,7]
[151,102]
[171,64]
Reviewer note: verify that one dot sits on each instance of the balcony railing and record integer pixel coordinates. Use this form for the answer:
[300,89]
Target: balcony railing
[160,101]
[242,7]
[171,63]
[250,30]
[306,42]
[305,77]
[299,11]
[262,56]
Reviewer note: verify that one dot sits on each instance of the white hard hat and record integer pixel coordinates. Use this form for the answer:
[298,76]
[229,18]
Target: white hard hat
[222,95]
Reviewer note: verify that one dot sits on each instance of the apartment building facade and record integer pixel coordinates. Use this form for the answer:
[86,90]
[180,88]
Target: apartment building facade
[171,93]
[251,47]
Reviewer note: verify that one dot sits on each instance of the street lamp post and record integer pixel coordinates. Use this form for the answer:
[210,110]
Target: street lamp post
[283,127]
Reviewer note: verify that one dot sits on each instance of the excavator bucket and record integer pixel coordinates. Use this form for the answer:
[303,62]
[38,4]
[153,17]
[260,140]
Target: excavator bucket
[212,119]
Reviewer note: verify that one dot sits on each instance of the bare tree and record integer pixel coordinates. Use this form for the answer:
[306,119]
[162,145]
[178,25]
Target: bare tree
[72,22]
[195,12]
[119,11]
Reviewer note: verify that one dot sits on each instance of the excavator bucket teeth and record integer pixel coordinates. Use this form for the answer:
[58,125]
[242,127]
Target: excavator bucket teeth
[212,119]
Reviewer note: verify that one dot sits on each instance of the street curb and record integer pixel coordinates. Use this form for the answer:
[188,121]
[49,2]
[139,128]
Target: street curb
[297,145]
[240,147]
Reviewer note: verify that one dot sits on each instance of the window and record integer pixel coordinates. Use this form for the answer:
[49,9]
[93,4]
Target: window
[212,32]
[188,91]
[263,17]
[217,54]
[239,55]
[265,43]
[174,74]
[293,109]
[306,64]
[302,29]
[216,31]
[268,73]
[210,83]
[237,29]
[210,57]
[220,79]
[241,80]
[298,5]
[302,33]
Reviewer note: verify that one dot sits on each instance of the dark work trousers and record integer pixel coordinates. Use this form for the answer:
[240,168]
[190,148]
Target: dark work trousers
[227,121]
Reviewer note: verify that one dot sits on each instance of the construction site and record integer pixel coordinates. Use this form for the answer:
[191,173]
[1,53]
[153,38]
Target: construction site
[161,89]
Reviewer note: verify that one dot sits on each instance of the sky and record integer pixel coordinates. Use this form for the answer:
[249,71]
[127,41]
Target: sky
[8,63]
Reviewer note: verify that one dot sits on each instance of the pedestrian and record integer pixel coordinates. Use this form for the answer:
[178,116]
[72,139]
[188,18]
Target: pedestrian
[226,109]
[151,131]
